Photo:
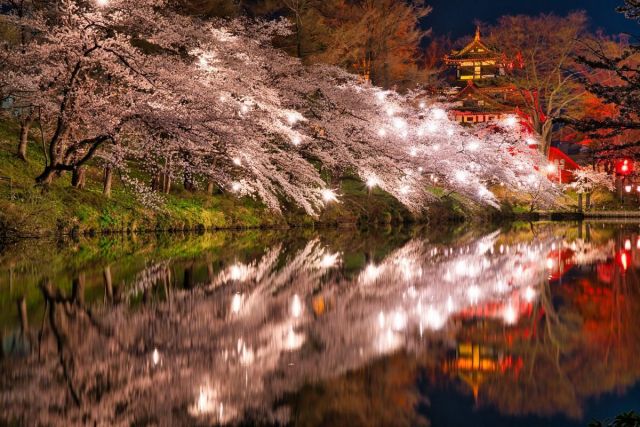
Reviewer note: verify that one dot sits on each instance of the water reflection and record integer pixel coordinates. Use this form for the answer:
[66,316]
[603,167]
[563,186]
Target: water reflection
[308,330]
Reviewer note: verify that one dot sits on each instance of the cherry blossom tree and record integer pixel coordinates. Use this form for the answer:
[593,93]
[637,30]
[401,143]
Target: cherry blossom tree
[141,86]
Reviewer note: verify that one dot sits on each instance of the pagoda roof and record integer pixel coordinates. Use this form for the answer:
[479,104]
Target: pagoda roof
[476,50]
[473,91]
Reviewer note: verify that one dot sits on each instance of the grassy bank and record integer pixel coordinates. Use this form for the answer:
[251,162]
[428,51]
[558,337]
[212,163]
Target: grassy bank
[31,210]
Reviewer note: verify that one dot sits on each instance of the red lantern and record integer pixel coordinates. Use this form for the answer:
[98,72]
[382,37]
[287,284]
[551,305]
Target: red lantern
[624,167]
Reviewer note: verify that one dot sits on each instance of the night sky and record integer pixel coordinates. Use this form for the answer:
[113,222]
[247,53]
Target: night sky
[456,17]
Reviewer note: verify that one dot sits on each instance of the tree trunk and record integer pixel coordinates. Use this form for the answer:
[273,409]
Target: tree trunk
[78,178]
[77,289]
[24,139]
[545,137]
[108,285]
[108,177]
[188,182]
[46,177]
[24,317]
[166,183]
[580,202]
[210,188]
[587,203]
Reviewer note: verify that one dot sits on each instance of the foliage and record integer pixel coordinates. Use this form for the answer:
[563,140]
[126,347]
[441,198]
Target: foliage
[627,419]
[213,101]
[540,64]
[588,180]
[619,91]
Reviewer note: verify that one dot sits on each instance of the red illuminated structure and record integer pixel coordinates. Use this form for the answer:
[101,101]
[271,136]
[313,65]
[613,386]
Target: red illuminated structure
[481,96]
[624,167]
[478,92]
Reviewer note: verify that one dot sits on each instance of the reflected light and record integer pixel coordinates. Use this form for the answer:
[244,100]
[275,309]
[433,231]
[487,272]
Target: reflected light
[529,294]
[155,356]
[293,341]
[510,316]
[474,293]
[371,273]
[329,260]
[434,319]
[399,321]
[236,303]
[296,306]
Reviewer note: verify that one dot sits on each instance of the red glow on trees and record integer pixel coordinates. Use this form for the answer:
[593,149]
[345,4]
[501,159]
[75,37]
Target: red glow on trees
[624,167]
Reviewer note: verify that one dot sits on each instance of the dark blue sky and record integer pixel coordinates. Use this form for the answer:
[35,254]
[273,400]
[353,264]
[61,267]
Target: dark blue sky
[456,17]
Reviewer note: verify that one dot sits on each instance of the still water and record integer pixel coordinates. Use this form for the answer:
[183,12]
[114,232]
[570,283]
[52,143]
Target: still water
[529,325]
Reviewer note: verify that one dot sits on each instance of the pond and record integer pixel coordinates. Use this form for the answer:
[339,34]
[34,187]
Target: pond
[531,325]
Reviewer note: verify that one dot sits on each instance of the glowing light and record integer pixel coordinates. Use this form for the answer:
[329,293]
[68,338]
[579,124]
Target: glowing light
[371,273]
[628,188]
[511,121]
[413,152]
[236,303]
[206,401]
[422,105]
[155,356]
[381,96]
[382,132]
[238,272]
[531,141]
[381,320]
[102,3]
[529,294]
[638,243]
[549,263]
[434,319]
[510,315]
[296,140]
[439,113]
[292,340]
[372,181]
[461,176]
[450,306]
[627,244]
[474,146]
[432,127]
[399,321]
[474,293]
[329,196]
[236,187]
[551,168]
[296,306]
[293,117]
[329,260]
[399,123]
[390,111]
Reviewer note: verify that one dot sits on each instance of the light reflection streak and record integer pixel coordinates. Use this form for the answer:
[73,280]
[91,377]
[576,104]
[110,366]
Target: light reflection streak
[233,343]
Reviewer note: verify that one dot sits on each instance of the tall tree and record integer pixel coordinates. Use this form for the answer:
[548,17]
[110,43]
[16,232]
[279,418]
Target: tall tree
[620,90]
[378,39]
[540,53]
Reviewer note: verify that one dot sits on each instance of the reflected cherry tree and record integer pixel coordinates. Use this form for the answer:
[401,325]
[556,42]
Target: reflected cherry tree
[228,348]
